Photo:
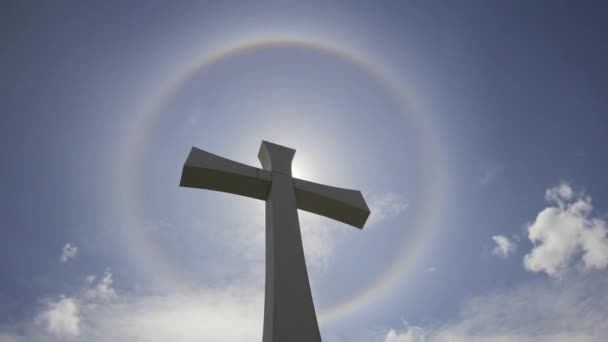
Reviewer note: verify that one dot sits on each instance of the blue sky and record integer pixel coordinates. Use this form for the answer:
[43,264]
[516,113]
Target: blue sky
[475,130]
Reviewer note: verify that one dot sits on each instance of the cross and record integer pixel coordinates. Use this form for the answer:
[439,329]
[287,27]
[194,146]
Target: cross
[289,313]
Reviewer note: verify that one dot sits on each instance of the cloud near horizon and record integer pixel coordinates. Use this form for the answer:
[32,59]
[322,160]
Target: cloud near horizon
[569,305]
[97,313]
[547,310]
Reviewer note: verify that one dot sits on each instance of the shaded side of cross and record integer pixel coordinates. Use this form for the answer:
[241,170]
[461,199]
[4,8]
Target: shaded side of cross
[289,313]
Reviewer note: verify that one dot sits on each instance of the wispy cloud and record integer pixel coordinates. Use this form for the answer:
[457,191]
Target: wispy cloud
[546,310]
[385,206]
[68,252]
[504,246]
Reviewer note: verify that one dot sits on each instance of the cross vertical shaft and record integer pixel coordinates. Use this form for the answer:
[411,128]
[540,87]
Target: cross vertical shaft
[289,313]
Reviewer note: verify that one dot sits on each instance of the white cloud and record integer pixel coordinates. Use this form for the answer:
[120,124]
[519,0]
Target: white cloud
[566,234]
[504,246]
[385,206]
[60,318]
[68,252]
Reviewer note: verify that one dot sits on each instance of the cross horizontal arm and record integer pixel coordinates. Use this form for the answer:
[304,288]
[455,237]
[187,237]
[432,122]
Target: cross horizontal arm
[205,170]
[344,205]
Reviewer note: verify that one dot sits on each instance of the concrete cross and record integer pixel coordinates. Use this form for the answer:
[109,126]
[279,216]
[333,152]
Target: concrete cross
[289,313]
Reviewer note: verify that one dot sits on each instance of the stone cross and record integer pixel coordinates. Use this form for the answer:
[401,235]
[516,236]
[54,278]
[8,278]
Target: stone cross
[289,313]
